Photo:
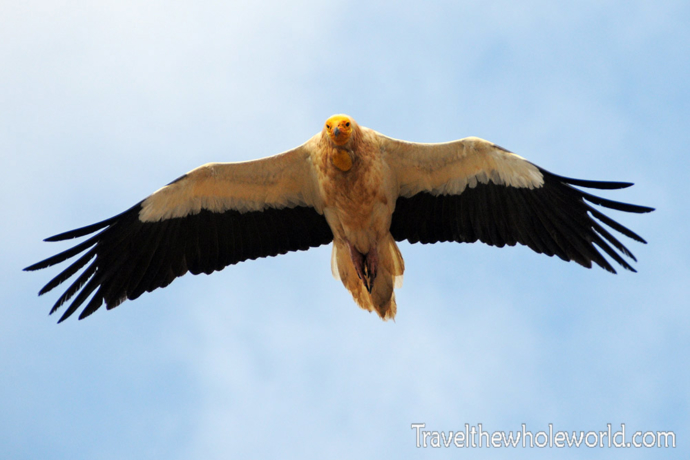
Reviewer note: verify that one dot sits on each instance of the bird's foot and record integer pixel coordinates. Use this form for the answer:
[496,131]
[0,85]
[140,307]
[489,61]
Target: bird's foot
[366,265]
[371,261]
[357,260]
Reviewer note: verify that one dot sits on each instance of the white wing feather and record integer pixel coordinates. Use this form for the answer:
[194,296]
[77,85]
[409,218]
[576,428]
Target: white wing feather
[448,168]
[280,181]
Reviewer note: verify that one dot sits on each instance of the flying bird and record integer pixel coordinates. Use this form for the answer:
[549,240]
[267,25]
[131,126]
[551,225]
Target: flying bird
[349,185]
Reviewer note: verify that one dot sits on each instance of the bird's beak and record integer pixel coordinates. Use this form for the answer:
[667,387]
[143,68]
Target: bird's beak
[336,132]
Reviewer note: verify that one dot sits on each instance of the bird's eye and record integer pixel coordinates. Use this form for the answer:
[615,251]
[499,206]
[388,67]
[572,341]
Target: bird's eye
[347,124]
[328,126]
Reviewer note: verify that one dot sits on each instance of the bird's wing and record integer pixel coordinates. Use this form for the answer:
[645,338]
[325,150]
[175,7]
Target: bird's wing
[215,215]
[471,189]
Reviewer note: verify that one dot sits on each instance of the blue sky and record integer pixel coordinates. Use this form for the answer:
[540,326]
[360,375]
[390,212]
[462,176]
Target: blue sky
[102,103]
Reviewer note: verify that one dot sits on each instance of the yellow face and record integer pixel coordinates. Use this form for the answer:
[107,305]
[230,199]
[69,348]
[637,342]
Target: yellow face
[339,129]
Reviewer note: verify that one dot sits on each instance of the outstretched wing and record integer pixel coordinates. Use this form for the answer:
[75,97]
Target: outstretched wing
[216,215]
[471,190]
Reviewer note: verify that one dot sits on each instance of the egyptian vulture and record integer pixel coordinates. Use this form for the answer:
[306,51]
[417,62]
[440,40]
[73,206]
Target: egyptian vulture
[349,185]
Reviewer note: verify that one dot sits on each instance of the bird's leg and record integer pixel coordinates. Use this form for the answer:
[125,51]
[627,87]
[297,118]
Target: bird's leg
[366,265]
[358,261]
[372,265]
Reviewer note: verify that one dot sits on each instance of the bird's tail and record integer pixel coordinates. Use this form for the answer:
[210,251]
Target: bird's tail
[389,276]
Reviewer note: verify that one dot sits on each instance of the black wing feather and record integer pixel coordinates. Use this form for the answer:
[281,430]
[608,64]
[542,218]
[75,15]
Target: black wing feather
[554,219]
[129,257]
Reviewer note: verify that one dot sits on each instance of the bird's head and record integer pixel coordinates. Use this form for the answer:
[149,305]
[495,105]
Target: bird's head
[339,129]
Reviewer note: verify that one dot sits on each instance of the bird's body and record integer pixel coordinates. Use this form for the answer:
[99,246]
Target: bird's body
[350,185]
[358,205]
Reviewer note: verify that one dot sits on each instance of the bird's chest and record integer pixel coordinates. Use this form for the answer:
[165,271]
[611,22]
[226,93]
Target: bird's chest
[356,203]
